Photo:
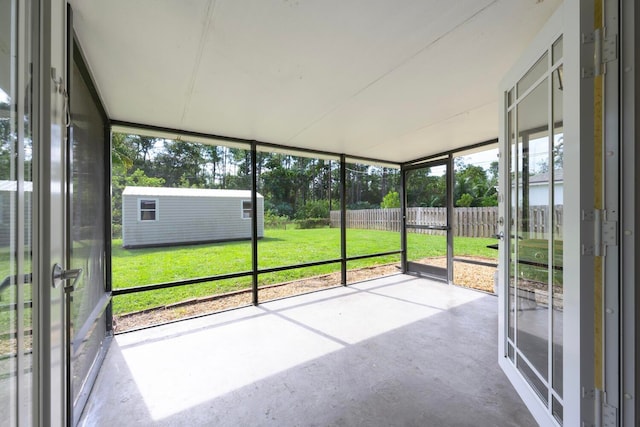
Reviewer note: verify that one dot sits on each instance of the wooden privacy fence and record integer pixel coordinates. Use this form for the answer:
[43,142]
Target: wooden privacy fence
[467,222]
[370,219]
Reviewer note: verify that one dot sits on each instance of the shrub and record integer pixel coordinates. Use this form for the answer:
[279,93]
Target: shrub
[314,209]
[312,223]
[465,200]
[391,200]
[361,205]
[116,231]
[273,220]
[283,209]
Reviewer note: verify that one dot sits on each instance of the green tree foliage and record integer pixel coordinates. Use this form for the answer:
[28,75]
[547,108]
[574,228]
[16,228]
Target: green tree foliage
[474,186]
[558,154]
[314,209]
[391,200]
[7,140]
[293,186]
[424,189]
[180,164]
[465,200]
[367,185]
[120,181]
[122,154]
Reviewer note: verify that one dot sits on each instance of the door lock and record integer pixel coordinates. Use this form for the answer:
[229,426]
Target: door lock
[59,275]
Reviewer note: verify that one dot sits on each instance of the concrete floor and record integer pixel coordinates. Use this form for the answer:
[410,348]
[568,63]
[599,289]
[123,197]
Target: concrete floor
[396,351]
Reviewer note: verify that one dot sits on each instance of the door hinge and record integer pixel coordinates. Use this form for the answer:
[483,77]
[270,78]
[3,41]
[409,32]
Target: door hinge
[604,415]
[605,50]
[605,231]
[609,415]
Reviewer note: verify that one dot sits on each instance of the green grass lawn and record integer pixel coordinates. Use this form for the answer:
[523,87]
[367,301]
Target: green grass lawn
[135,267]
[536,251]
[9,295]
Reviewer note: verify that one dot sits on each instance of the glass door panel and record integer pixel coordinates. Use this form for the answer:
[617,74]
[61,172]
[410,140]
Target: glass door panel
[556,260]
[427,220]
[530,263]
[16,291]
[533,228]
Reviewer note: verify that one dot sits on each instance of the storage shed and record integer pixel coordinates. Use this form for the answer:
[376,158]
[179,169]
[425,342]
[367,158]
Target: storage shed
[159,216]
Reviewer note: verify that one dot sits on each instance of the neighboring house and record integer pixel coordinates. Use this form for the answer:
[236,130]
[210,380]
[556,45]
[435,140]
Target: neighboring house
[8,210]
[539,188]
[159,216]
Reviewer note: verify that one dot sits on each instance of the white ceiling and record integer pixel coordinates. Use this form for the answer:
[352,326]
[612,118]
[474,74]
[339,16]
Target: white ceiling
[387,79]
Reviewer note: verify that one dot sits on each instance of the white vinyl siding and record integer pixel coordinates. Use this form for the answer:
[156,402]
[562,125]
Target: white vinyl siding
[188,218]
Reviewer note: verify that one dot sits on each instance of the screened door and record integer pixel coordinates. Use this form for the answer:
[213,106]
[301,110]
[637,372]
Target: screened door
[88,320]
[427,220]
[532,249]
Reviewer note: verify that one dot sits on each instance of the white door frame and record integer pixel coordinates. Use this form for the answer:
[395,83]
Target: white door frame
[551,31]
[578,181]
[49,208]
[630,219]
[572,19]
[610,308]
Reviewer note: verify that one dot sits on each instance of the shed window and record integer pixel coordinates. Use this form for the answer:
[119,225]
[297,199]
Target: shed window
[246,209]
[148,209]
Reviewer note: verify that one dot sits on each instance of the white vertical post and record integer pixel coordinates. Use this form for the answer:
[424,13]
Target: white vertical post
[630,218]
[578,350]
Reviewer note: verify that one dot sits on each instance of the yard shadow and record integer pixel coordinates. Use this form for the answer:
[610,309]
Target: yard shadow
[270,239]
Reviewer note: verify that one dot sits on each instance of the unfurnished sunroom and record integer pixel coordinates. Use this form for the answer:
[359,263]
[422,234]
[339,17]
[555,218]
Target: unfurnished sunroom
[359,130]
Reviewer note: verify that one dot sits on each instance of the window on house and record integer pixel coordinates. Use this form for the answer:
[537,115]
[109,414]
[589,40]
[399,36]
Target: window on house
[246,209]
[148,210]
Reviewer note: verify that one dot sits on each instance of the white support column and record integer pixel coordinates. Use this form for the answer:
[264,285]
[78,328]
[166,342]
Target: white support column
[611,205]
[578,372]
[49,197]
[630,218]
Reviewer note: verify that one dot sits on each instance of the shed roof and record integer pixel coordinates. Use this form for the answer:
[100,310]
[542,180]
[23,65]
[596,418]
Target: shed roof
[187,192]
[543,178]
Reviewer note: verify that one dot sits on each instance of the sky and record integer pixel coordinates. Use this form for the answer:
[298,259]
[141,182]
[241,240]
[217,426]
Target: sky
[3,96]
[482,158]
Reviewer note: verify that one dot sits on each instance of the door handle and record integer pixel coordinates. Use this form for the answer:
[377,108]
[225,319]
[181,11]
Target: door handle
[59,275]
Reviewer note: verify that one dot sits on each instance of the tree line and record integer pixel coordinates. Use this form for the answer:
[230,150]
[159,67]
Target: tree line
[294,187]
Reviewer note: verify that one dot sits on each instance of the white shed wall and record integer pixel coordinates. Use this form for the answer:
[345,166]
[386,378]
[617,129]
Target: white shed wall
[539,194]
[186,219]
